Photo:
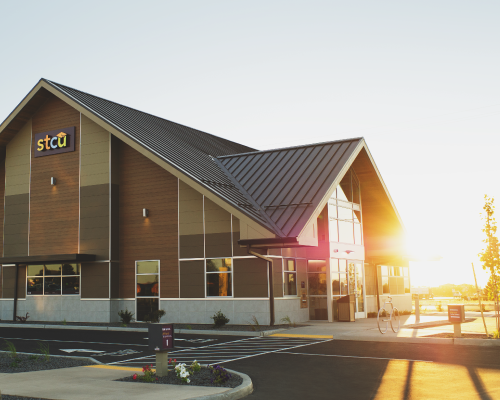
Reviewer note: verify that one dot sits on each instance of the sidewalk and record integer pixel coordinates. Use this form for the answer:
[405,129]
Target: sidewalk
[98,382]
[367,330]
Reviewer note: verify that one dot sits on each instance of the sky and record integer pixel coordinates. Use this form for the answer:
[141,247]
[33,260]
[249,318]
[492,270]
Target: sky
[418,80]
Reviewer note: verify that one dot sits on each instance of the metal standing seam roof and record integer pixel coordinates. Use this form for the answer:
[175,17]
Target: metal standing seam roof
[288,184]
[189,150]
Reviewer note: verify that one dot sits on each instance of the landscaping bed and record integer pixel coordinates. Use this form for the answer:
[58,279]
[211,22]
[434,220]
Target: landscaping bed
[28,363]
[204,376]
[241,328]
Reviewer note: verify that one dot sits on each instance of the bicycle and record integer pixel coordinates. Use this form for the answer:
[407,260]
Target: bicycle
[393,317]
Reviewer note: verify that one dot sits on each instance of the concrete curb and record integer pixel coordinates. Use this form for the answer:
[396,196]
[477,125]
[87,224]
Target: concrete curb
[423,340]
[52,355]
[431,324]
[238,392]
[122,329]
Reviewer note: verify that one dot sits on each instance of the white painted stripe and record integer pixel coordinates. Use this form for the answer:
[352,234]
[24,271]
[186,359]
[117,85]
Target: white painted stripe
[341,356]
[75,341]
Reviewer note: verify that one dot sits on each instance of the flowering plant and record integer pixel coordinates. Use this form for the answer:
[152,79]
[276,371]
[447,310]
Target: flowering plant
[219,374]
[182,373]
[149,375]
[195,366]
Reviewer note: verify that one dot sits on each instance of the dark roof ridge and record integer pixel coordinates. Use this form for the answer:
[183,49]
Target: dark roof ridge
[303,146]
[143,112]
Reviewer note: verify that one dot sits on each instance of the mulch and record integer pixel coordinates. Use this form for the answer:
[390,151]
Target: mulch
[464,336]
[29,363]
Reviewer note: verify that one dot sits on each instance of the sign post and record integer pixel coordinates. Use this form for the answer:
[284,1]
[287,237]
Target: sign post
[415,292]
[161,340]
[456,315]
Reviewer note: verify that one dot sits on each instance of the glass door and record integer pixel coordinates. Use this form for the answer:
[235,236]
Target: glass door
[356,278]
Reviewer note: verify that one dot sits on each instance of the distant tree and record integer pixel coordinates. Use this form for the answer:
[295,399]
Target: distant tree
[490,256]
[489,289]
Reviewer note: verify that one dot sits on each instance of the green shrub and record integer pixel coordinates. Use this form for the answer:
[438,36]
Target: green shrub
[126,316]
[255,323]
[219,319]
[155,316]
[43,348]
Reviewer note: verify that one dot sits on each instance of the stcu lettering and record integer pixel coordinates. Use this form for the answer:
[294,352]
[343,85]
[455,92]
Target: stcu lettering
[55,142]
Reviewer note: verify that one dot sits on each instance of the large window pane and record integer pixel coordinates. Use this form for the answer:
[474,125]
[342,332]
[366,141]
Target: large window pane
[334,265]
[357,234]
[147,267]
[384,270]
[357,216]
[290,284]
[345,184]
[407,285]
[147,285]
[355,192]
[346,232]
[71,285]
[343,284]
[317,284]
[316,265]
[219,284]
[219,265]
[318,308]
[290,265]
[385,284]
[70,269]
[343,265]
[52,285]
[146,307]
[34,286]
[333,230]
[345,213]
[335,284]
[351,276]
[53,269]
[35,270]
[340,194]
[332,210]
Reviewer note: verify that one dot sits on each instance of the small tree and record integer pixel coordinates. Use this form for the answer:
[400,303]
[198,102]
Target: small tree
[490,256]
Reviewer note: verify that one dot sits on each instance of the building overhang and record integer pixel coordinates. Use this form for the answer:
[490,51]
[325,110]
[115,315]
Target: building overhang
[272,243]
[48,259]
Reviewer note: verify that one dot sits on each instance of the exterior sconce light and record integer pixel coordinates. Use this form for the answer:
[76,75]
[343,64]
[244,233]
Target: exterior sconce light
[349,251]
[145,212]
[336,250]
[53,181]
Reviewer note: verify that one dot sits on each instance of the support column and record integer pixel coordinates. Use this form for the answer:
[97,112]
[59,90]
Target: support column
[14,313]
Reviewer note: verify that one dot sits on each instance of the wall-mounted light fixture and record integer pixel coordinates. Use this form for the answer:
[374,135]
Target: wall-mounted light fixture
[336,250]
[349,251]
[53,181]
[145,212]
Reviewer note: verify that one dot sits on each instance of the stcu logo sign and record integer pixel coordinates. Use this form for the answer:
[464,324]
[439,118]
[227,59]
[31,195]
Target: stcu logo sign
[55,142]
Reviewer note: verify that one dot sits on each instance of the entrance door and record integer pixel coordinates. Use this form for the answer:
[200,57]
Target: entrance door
[356,278]
[148,288]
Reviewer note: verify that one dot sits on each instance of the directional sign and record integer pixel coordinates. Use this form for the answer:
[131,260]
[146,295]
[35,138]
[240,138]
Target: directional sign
[81,351]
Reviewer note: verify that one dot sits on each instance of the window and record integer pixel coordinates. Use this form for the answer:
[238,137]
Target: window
[344,211]
[395,280]
[219,277]
[53,279]
[148,288]
[316,277]
[290,278]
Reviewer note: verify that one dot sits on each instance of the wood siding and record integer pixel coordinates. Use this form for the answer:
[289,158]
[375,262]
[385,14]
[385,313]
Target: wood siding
[190,222]
[217,231]
[94,281]
[250,277]
[9,279]
[54,210]
[144,184]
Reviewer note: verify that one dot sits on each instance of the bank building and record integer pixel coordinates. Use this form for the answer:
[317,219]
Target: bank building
[107,208]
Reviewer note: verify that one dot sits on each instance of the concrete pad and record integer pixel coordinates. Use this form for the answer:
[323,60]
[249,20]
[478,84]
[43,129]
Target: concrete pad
[93,383]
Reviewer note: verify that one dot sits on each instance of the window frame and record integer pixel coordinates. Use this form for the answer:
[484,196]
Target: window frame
[294,272]
[60,276]
[219,272]
[157,273]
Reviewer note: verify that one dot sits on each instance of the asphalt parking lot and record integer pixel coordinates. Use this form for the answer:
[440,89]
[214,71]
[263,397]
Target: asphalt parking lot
[299,368]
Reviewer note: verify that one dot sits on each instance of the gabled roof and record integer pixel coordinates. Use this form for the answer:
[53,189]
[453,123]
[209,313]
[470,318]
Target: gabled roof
[289,184]
[282,190]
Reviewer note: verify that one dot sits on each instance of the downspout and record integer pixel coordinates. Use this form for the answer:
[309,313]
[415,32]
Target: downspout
[271,284]
[14,314]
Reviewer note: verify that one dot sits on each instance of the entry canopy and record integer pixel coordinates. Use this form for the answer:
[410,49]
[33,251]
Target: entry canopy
[48,259]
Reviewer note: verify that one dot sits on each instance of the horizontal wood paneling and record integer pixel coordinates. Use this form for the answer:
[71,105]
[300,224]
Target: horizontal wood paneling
[17,162]
[9,279]
[16,225]
[94,281]
[54,210]
[250,277]
[192,281]
[143,184]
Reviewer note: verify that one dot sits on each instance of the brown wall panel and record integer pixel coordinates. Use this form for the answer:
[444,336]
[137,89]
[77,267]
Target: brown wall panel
[16,225]
[278,277]
[94,281]
[143,184]
[237,250]
[9,279]
[2,200]
[190,222]
[54,209]
[94,220]
[192,279]
[218,244]
[250,277]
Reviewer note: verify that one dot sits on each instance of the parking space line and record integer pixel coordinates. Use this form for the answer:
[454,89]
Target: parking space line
[341,356]
[74,341]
